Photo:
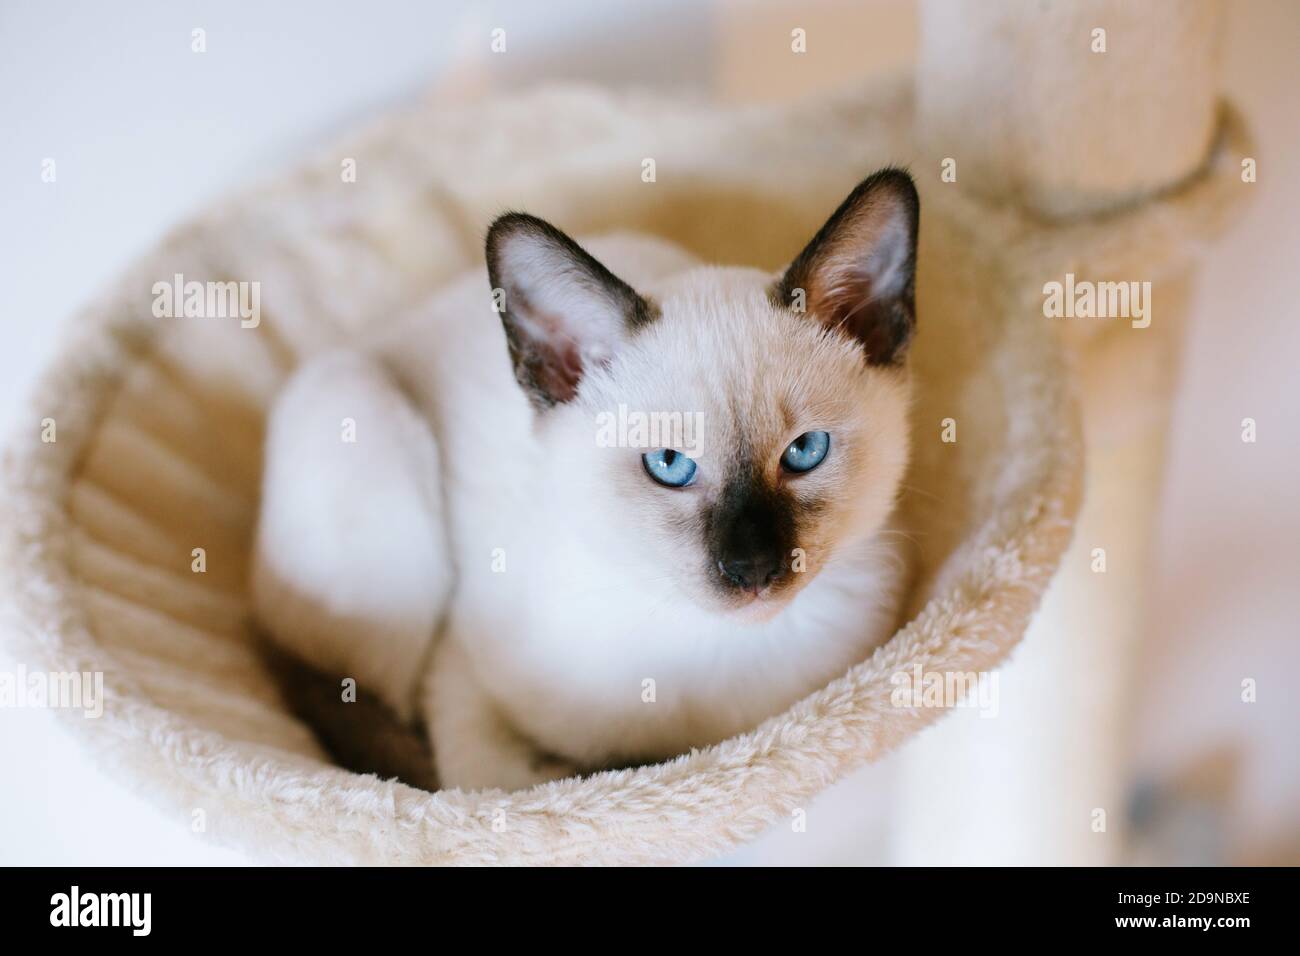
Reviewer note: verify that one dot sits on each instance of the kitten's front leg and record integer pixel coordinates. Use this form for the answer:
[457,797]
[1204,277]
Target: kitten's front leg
[351,565]
[474,747]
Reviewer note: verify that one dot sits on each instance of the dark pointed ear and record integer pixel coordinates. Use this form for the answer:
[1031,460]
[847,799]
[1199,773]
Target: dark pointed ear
[858,273]
[564,313]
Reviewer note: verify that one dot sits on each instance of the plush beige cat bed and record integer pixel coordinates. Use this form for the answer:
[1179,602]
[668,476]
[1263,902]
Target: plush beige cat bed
[159,422]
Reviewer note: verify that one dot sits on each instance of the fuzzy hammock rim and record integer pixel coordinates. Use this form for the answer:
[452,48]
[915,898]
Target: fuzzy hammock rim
[283,807]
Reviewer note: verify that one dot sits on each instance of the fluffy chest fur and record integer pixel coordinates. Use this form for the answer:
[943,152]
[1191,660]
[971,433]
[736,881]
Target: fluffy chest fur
[558,639]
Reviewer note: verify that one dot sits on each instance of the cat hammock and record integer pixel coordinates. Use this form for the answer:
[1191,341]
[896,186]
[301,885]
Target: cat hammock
[127,538]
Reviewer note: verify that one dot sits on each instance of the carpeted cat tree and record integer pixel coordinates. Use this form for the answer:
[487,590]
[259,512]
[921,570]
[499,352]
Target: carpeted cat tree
[157,422]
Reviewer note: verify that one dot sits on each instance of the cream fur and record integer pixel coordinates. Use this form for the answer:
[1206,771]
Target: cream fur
[160,429]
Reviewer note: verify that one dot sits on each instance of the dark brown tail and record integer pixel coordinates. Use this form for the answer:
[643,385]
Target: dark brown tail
[364,735]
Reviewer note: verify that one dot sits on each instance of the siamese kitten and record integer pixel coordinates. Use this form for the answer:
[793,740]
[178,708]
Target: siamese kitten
[446,519]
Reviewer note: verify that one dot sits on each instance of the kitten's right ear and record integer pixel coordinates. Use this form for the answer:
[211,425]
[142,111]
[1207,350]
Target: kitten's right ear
[564,313]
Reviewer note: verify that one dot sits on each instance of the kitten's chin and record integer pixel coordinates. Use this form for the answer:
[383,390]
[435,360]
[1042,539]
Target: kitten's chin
[755,608]
[760,609]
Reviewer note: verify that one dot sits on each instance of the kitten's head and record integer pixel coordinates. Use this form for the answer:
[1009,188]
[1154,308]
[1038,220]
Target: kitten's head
[722,428]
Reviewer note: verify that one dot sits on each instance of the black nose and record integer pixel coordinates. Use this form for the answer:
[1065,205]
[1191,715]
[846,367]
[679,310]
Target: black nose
[752,573]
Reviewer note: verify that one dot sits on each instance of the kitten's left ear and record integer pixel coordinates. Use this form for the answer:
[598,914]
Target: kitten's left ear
[858,273]
[564,313]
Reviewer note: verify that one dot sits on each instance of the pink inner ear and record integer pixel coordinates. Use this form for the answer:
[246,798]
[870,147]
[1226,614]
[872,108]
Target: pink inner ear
[559,368]
[841,293]
[565,312]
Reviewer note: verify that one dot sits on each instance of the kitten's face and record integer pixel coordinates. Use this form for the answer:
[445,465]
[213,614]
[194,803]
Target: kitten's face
[732,381]
[724,431]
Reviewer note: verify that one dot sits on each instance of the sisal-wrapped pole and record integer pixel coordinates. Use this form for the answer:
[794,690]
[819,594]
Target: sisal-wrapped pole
[1069,108]
[1064,112]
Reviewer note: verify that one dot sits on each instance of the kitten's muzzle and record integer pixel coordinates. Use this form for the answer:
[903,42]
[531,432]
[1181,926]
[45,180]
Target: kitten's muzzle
[749,531]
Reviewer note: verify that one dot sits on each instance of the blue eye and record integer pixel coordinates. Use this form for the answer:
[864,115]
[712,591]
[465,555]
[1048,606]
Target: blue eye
[806,452]
[669,467]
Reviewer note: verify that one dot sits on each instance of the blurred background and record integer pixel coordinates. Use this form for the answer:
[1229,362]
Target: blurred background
[145,133]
